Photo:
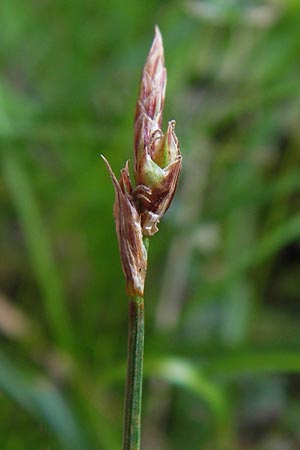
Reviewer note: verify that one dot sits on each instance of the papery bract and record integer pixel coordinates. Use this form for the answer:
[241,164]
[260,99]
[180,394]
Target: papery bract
[128,225]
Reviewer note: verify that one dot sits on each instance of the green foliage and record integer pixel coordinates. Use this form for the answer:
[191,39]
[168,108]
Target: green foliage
[222,295]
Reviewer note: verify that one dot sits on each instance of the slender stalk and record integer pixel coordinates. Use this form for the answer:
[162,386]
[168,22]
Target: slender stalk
[133,389]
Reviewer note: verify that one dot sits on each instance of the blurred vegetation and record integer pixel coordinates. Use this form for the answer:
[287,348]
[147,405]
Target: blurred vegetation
[222,363]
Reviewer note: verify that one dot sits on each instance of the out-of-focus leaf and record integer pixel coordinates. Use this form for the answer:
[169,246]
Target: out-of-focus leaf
[236,363]
[251,258]
[183,373]
[14,108]
[39,248]
[44,402]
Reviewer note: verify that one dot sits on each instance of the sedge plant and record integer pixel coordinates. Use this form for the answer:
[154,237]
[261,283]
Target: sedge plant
[137,212]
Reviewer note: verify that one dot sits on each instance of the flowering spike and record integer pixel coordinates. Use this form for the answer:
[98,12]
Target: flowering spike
[157,164]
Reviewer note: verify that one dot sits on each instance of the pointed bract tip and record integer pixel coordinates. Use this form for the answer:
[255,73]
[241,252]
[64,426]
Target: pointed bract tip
[157,44]
[157,32]
[105,160]
[112,175]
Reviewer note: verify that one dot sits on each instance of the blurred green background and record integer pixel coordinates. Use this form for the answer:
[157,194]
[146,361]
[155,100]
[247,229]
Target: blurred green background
[222,356]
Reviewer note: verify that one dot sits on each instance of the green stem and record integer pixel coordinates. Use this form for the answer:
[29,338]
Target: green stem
[133,393]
